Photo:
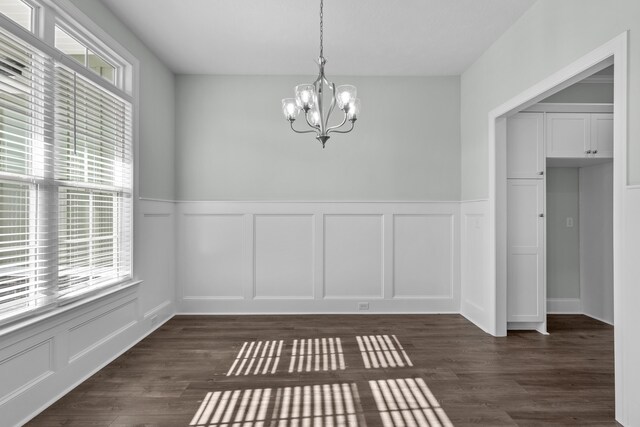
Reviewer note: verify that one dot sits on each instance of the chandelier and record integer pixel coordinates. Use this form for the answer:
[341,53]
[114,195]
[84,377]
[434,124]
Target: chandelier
[309,99]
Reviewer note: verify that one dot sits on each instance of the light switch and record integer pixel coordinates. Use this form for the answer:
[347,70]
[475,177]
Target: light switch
[569,222]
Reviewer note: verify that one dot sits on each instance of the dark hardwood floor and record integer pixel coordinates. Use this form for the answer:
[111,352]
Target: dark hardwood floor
[435,370]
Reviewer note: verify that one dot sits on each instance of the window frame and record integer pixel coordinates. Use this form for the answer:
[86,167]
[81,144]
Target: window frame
[45,16]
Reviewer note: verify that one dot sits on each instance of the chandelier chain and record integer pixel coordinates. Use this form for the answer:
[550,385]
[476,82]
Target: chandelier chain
[321,29]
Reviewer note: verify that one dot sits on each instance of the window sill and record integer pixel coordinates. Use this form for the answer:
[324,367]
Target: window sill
[23,323]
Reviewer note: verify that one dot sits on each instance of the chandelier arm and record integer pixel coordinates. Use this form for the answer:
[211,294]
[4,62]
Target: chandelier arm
[333,128]
[301,131]
[353,124]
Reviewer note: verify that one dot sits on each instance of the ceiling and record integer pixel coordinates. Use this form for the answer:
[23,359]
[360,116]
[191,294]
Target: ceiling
[361,37]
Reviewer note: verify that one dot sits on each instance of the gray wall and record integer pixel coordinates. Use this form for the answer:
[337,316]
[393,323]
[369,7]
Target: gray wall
[563,243]
[548,37]
[581,93]
[233,142]
[157,114]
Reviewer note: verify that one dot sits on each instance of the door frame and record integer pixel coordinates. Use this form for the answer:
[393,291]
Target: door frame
[613,52]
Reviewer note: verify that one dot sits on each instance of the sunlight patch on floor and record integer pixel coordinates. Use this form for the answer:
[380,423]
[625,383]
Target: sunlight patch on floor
[312,405]
[257,357]
[382,351]
[319,354]
[408,402]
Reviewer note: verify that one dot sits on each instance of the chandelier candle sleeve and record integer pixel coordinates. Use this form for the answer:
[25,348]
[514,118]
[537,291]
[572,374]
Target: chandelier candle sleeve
[290,108]
[309,98]
[346,94]
[354,109]
[305,96]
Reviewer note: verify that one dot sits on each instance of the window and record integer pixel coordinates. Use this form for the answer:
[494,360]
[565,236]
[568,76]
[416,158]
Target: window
[19,12]
[81,53]
[65,173]
[93,152]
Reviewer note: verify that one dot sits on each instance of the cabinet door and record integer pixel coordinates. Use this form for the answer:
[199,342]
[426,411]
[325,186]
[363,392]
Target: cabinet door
[568,134]
[525,256]
[525,145]
[602,135]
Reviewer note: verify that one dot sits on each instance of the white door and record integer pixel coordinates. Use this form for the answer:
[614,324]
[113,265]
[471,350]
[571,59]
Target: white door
[525,257]
[525,145]
[568,134]
[602,135]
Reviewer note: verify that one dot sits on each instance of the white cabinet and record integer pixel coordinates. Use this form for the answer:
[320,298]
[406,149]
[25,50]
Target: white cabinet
[602,135]
[525,250]
[579,135]
[525,145]
[568,134]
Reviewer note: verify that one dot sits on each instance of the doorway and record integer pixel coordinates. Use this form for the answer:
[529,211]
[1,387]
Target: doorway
[560,205]
[615,52]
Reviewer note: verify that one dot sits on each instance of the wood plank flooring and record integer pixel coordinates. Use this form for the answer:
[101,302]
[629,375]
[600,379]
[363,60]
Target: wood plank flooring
[433,370]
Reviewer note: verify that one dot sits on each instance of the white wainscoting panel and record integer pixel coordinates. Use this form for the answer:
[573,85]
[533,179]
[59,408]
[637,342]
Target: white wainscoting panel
[91,333]
[318,257]
[42,359]
[627,315]
[25,368]
[353,258]
[423,255]
[475,301]
[284,252]
[215,244]
[155,251]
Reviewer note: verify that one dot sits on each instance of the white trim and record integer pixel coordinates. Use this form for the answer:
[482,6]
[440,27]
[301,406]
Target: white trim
[598,319]
[614,50]
[474,201]
[20,326]
[314,313]
[550,107]
[564,306]
[151,199]
[599,79]
[306,201]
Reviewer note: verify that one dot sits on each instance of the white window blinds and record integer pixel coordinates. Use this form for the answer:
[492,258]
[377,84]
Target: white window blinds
[65,182]
[93,170]
[27,274]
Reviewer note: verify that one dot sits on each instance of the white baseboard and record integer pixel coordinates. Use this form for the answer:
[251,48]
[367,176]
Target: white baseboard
[598,319]
[564,306]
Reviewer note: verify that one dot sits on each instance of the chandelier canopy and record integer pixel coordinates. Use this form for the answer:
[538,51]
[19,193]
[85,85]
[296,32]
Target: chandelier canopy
[309,99]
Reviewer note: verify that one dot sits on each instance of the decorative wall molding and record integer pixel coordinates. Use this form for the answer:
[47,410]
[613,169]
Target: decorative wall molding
[18,376]
[474,302]
[318,257]
[46,358]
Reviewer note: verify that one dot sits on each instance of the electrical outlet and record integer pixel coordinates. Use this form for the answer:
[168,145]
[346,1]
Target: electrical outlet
[569,222]
[363,306]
